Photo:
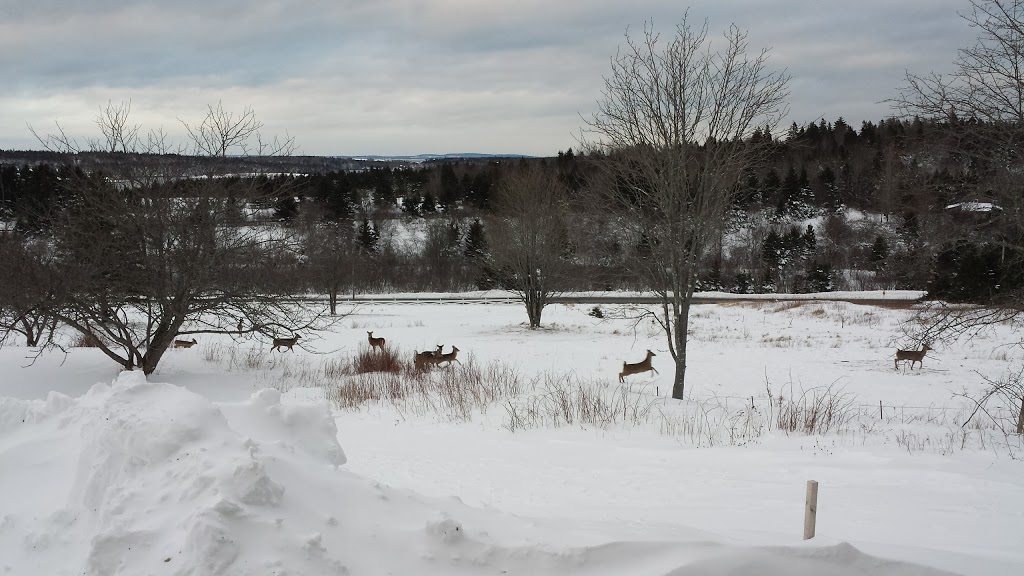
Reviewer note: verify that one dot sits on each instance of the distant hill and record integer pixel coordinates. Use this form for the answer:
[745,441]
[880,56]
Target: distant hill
[432,157]
[294,164]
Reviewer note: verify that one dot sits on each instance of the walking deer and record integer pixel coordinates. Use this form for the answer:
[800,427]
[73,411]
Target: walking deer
[449,357]
[644,366]
[375,342]
[184,343]
[428,358]
[912,355]
[286,342]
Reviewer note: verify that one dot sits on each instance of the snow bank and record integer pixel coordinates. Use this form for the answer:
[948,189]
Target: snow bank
[143,478]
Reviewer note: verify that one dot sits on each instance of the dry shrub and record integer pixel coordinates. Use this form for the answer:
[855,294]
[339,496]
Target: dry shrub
[565,400]
[455,393]
[819,410]
[378,360]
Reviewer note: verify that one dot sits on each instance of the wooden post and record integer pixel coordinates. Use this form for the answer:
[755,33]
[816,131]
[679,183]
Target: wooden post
[810,509]
[880,417]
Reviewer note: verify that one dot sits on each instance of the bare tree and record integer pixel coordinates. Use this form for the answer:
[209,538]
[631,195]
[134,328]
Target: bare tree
[529,237]
[27,287]
[331,255]
[221,131]
[671,138]
[119,135]
[146,251]
[143,266]
[980,106]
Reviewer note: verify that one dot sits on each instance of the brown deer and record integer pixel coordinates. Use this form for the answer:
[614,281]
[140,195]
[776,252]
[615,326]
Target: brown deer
[184,343]
[645,366]
[286,342]
[375,342]
[428,358]
[449,357]
[912,355]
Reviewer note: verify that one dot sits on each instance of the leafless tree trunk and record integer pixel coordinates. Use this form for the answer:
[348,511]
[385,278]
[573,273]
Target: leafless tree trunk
[528,238]
[672,138]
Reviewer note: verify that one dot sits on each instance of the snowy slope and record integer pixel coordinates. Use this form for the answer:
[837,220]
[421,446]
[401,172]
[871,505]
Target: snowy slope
[142,478]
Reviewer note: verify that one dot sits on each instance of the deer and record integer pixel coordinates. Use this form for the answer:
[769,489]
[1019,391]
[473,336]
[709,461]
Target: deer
[241,325]
[644,366]
[184,343]
[449,357]
[912,355]
[428,358]
[375,342]
[286,342]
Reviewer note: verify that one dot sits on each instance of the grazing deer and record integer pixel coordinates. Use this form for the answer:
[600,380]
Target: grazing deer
[645,366]
[428,358]
[286,342]
[184,343]
[449,357]
[375,342]
[912,355]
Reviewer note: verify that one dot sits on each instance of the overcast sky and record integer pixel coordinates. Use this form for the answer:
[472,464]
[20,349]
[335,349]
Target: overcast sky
[349,77]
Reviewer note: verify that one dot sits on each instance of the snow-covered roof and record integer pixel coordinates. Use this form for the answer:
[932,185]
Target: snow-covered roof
[974,207]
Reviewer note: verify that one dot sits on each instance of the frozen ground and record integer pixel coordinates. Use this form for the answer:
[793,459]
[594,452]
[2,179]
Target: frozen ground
[201,476]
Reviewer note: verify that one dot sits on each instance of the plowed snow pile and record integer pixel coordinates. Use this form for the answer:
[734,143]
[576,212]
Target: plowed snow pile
[144,478]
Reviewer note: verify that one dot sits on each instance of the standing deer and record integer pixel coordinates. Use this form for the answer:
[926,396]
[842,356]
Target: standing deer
[184,343]
[644,366]
[286,342]
[241,325]
[428,358]
[912,355]
[375,342]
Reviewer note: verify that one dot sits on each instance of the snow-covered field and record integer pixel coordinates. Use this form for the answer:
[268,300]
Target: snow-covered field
[232,460]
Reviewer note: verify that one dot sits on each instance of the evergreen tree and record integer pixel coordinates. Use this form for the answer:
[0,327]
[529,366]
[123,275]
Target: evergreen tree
[476,241]
[285,207]
[411,203]
[367,237]
[879,253]
[789,193]
[383,187]
[479,192]
[429,205]
[827,181]
[809,242]
[771,186]
[449,191]
[819,279]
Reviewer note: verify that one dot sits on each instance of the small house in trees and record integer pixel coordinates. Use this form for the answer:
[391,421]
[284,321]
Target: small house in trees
[974,212]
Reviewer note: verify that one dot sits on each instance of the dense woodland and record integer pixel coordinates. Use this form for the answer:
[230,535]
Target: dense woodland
[833,207]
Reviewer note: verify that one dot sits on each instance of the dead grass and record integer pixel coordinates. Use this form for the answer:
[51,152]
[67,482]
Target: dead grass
[817,410]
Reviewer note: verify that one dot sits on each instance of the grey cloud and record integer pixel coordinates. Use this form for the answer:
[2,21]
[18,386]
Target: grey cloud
[385,75]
